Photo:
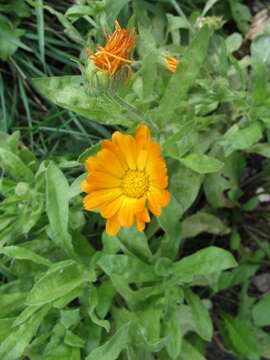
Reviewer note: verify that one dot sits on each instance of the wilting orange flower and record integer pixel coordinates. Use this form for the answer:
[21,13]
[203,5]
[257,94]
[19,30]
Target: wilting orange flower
[171,63]
[116,51]
[125,178]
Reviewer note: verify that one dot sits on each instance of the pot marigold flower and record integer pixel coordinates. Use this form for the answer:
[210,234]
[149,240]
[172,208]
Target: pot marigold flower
[171,63]
[125,178]
[115,54]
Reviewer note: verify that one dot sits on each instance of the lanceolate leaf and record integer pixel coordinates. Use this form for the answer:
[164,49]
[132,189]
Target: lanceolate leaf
[57,190]
[186,73]
[203,164]
[14,166]
[113,347]
[13,346]
[131,269]
[19,252]
[242,336]
[56,284]
[203,262]
[200,315]
[72,92]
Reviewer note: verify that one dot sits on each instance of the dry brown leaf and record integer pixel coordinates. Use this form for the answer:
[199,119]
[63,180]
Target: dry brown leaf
[258,24]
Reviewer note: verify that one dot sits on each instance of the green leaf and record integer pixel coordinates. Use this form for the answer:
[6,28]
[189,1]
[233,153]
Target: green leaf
[106,293]
[202,164]
[202,222]
[233,42]
[145,331]
[148,73]
[77,11]
[69,318]
[241,139]
[61,352]
[9,39]
[241,336]
[73,340]
[17,7]
[173,331]
[57,283]
[135,242]
[5,328]
[92,151]
[209,4]
[260,49]
[93,302]
[14,166]
[57,192]
[66,299]
[169,221]
[241,15]
[131,269]
[71,92]
[113,8]
[200,315]
[203,262]
[13,346]
[75,187]
[178,144]
[20,253]
[11,302]
[261,149]
[184,185]
[190,352]
[25,315]
[263,343]
[185,75]
[261,311]
[113,347]
[237,276]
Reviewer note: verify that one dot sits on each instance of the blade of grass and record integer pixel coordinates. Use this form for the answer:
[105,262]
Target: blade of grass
[26,107]
[3,105]
[40,29]
[181,13]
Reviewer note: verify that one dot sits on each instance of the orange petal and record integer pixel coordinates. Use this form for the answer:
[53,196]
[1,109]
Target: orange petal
[91,163]
[154,150]
[160,182]
[127,211]
[111,209]
[157,172]
[127,146]
[140,204]
[107,144]
[143,215]
[112,226]
[85,186]
[142,159]
[110,163]
[100,198]
[140,224]
[154,206]
[162,196]
[98,180]
[143,135]
[157,198]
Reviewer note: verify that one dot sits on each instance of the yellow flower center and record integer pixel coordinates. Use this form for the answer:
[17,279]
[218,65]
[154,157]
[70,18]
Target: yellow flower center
[135,183]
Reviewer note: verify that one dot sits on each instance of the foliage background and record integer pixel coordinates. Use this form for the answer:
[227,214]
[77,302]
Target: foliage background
[68,290]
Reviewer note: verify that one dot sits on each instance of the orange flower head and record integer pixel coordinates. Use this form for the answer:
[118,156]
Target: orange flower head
[125,178]
[171,63]
[115,54]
